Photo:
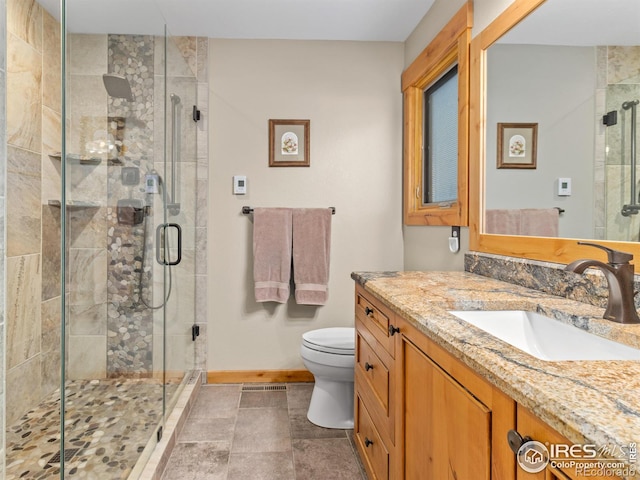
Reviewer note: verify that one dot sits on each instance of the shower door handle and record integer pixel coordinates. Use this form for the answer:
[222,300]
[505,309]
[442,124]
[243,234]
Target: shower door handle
[162,245]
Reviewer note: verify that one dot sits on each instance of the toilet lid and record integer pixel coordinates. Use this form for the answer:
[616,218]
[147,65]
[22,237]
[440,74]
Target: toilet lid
[340,340]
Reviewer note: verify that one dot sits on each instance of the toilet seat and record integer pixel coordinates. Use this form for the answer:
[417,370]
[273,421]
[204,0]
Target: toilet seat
[336,340]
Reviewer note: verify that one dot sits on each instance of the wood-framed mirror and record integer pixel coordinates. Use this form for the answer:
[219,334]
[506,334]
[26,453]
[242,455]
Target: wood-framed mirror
[512,43]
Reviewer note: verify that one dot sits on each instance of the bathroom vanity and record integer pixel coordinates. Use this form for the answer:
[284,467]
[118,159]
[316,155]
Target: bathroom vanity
[436,397]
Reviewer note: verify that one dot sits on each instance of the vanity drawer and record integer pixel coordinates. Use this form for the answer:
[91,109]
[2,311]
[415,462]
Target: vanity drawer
[374,381]
[373,451]
[377,318]
[373,372]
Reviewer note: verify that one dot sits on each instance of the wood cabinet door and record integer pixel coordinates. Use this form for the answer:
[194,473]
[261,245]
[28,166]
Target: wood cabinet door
[531,426]
[447,432]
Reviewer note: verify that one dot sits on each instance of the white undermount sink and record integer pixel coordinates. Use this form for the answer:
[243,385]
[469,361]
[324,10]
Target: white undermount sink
[546,338]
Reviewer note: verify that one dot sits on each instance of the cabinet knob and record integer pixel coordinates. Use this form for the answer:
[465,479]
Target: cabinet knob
[368,311]
[368,366]
[367,442]
[516,440]
[393,330]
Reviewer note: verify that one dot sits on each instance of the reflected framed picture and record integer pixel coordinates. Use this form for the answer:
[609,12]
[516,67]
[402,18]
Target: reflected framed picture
[289,143]
[517,145]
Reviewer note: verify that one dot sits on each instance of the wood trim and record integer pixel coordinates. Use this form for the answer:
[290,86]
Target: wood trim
[440,46]
[259,376]
[559,250]
[463,127]
[449,46]
[504,22]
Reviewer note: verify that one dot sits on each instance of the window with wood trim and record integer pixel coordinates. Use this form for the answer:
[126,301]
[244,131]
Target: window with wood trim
[436,127]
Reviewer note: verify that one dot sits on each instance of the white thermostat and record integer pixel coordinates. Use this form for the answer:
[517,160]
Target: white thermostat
[564,187]
[239,184]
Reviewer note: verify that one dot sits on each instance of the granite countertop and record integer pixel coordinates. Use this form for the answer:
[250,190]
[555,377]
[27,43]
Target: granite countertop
[595,402]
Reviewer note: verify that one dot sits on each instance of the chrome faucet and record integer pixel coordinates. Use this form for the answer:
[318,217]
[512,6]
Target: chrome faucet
[619,274]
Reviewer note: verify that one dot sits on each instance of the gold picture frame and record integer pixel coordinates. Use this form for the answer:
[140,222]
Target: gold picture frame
[289,143]
[517,145]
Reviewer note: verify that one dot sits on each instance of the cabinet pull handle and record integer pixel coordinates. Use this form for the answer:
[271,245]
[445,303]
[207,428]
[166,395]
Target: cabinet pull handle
[368,311]
[515,440]
[393,330]
[368,366]
[367,442]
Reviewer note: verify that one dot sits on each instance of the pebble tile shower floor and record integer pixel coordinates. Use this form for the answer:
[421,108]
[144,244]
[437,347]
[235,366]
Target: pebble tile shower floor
[259,432]
[108,423]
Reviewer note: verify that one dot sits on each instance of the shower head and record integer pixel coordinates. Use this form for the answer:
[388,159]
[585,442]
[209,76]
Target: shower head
[117,86]
[629,104]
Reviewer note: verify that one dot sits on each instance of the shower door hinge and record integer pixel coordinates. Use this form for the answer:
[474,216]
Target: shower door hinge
[196,114]
[159,434]
[195,332]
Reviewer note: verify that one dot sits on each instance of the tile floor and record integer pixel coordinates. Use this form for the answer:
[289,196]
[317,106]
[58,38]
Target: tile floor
[232,434]
[108,423]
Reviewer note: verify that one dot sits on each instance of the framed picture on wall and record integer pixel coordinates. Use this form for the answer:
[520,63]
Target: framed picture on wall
[289,143]
[517,145]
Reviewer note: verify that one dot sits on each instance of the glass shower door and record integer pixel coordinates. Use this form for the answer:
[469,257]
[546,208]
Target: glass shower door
[178,316]
[128,207]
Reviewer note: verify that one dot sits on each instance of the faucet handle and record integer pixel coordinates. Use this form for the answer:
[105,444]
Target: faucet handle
[614,257]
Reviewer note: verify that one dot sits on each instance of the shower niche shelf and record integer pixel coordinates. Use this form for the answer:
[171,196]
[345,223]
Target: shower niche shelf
[84,160]
[73,204]
[74,158]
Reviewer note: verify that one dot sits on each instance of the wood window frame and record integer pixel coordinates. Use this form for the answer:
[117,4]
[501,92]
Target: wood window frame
[449,47]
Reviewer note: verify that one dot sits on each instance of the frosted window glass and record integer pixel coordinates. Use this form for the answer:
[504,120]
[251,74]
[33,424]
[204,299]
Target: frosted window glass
[441,139]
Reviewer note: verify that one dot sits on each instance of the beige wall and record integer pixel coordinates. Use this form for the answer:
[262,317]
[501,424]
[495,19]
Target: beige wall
[351,93]
[427,248]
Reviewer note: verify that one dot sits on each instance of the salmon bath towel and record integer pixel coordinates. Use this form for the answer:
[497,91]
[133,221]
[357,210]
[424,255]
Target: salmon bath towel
[311,252]
[272,254]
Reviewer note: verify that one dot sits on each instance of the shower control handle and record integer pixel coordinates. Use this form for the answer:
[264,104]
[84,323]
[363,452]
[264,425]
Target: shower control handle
[368,366]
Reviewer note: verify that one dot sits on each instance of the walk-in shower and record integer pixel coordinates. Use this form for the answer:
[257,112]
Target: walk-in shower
[105,300]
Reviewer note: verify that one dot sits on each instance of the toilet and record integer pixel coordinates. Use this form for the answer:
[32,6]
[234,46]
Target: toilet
[329,354]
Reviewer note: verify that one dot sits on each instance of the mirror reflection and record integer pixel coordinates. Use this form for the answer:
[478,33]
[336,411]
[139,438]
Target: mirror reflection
[572,70]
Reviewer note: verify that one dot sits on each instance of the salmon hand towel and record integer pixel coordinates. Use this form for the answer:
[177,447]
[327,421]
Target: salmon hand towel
[272,254]
[311,249]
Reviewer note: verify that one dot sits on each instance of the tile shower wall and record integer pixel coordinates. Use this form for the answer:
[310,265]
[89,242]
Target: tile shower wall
[112,333]
[130,323]
[87,193]
[186,60]
[32,226]
[32,253]
[618,82]
[202,189]
[3,77]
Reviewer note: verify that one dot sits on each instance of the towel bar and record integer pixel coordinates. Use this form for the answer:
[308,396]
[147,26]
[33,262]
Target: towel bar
[560,210]
[249,210]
